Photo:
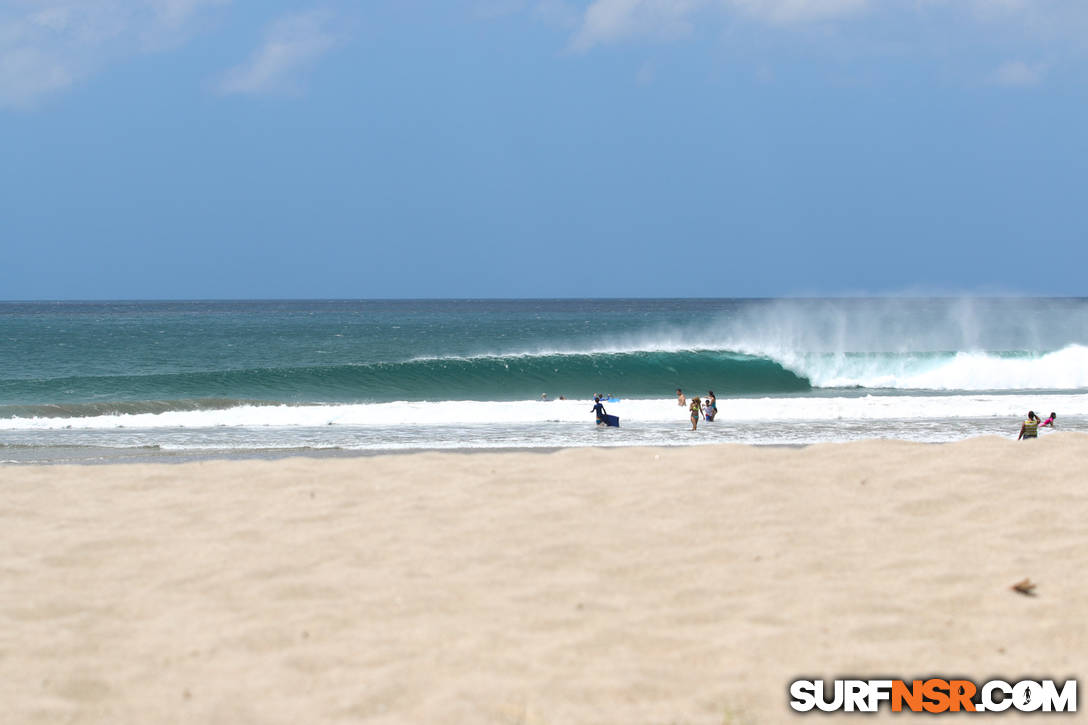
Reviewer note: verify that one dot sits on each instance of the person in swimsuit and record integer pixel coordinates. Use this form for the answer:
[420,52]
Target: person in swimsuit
[598,408]
[1049,422]
[680,398]
[711,406]
[696,408]
[1029,429]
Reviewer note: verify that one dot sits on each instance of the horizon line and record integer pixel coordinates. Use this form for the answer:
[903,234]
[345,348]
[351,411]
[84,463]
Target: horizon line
[844,296]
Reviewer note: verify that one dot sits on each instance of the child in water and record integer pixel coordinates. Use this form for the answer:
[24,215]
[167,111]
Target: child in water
[598,408]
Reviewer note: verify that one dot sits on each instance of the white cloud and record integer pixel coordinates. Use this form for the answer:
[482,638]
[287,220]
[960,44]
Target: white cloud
[969,29]
[1019,73]
[607,21]
[49,45]
[26,74]
[798,11]
[293,45]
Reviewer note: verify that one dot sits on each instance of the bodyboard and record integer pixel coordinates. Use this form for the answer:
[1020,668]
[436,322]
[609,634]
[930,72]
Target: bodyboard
[613,421]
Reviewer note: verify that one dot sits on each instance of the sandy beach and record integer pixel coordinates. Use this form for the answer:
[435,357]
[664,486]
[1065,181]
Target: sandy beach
[636,585]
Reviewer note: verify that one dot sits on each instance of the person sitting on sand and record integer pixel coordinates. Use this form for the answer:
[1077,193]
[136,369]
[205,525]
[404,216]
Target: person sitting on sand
[1029,429]
[696,408]
[598,407]
[1049,422]
[680,400]
[711,406]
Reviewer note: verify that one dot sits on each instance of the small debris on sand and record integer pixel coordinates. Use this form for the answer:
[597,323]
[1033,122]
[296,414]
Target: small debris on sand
[1024,587]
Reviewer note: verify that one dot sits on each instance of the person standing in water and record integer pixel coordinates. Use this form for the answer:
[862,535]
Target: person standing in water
[696,408]
[1029,429]
[680,400]
[711,406]
[598,408]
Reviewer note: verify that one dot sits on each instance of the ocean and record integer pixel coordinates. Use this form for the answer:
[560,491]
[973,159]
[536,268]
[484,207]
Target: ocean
[93,382]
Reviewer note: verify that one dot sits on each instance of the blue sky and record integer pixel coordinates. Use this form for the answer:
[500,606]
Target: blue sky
[539,148]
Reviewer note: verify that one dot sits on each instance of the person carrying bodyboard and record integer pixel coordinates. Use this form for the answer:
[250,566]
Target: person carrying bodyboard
[598,408]
[603,418]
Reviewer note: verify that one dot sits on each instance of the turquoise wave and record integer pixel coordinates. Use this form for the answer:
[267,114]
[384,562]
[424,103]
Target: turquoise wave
[515,377]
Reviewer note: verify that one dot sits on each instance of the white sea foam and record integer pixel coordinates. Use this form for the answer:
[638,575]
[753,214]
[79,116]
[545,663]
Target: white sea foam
[1065,369]
[633,412]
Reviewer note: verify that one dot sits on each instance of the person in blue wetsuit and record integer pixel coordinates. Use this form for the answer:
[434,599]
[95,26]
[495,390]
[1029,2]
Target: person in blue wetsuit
[598,408]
